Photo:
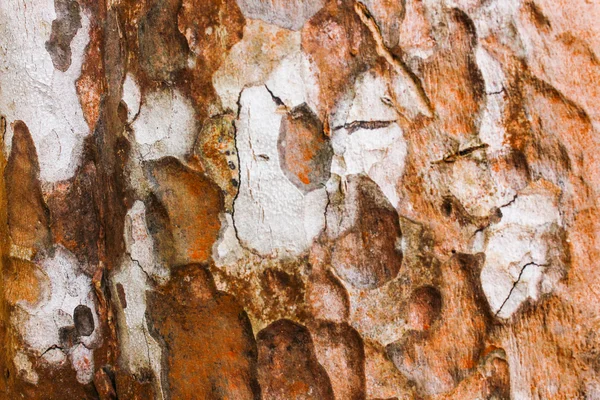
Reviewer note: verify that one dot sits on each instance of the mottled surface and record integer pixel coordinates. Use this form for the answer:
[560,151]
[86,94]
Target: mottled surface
[303,199]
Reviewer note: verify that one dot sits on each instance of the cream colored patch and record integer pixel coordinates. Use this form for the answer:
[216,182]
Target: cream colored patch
[132,97]
[25,368]
[33,91]
[523,251]
[165,126]
[251,60]
[139,350]
[272,216]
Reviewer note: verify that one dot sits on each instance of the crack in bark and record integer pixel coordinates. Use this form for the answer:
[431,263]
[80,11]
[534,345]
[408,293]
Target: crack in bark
[276,99]
[370,125]
[516,283]
[53,347]
[140,266]
[237,155]
[460,154]
[497,92]
[412,82]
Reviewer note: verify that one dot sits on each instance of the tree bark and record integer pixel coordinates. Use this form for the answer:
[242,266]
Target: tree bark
[307,199]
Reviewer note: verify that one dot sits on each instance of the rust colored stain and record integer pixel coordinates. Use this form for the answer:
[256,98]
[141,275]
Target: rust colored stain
[91,84]
[305,151]
[192,203]
[211,352]
[28,215]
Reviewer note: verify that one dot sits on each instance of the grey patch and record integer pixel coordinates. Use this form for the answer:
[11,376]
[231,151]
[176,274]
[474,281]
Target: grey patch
[67,336]
[288,14]
[64,29]
[84,320]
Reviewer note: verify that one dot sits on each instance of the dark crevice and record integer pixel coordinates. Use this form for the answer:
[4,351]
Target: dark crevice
[370,125]
[276,99]
[237,155]
[460,154]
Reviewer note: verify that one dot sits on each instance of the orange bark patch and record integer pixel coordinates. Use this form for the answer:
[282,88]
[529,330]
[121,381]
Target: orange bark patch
[21,281]
[90,85]
[28,216]
[340,46]
[192,203]
[211,349]
[305,152]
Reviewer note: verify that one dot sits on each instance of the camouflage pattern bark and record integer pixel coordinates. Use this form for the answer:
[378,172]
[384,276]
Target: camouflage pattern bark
[299,199]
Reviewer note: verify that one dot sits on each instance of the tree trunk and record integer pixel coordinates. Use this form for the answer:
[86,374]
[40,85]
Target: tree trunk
[303,199]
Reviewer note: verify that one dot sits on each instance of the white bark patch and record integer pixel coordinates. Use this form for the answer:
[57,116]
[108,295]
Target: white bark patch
[366,138]
[520,252]
[272,216]
[25,368]
[379,153]
[369,103]
[251,60]
[289,14]
[492,130]
[139,350]
[39,325]
[294,82]
[165,126]
[132,97]
[32,90]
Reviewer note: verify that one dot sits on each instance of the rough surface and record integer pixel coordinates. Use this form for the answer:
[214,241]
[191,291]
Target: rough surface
[299,199]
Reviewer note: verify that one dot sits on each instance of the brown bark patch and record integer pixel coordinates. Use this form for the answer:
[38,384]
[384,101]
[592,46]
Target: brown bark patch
[28,215]
[340,46]
[75,218]
[64,29]
[287,364]
[163,50]
[367,255]
[304,150]
[193,203]
[210,348]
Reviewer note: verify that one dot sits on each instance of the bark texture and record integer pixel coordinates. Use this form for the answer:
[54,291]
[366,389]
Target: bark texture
[299,199]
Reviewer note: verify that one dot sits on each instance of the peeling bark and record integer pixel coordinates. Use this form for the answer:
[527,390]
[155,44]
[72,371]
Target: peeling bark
[303,199]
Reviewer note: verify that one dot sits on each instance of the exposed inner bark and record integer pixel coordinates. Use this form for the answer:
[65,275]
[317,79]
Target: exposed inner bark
[307,199]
